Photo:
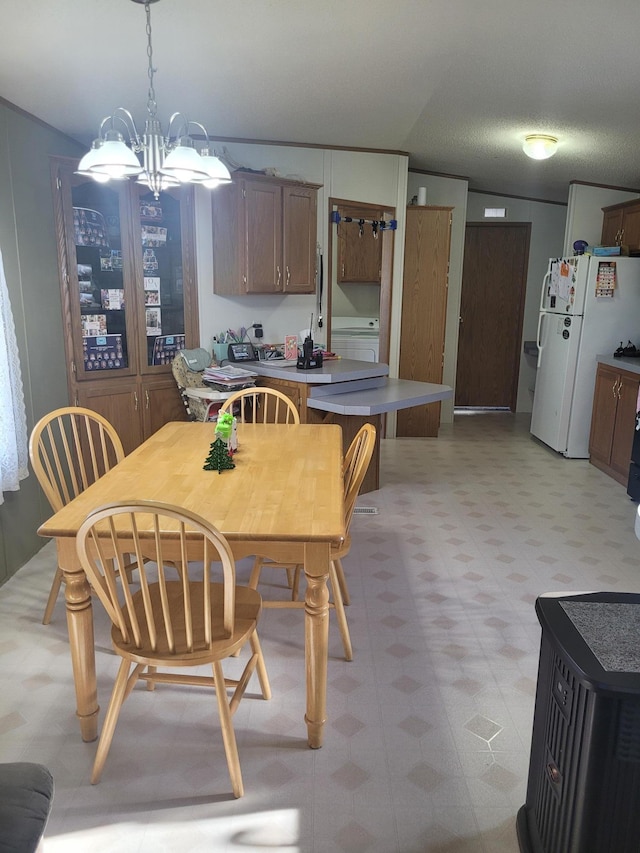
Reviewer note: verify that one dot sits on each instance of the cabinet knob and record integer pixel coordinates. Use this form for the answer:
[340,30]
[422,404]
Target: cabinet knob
[279,277]
[288,275]
[135,400]
[146,398]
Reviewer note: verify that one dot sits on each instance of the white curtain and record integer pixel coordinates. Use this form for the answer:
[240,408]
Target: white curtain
[13,420]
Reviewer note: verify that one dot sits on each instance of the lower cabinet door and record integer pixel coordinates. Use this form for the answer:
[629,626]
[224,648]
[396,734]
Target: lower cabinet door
[120,404]
[624,427]
[161,402]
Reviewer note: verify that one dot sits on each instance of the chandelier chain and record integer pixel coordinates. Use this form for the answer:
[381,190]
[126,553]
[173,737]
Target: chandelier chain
[152,105]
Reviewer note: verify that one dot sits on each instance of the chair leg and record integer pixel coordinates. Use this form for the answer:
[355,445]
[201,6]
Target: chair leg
[254,578]
[344,589]
[263,678]
[151,670]
[110,720]
[295,586]
[53,596]
[228,735]
[340,614]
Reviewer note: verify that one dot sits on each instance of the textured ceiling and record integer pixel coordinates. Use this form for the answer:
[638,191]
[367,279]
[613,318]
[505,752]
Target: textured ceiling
[455,83]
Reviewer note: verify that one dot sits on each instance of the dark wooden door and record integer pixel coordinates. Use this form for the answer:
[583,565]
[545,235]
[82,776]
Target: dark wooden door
[494,279]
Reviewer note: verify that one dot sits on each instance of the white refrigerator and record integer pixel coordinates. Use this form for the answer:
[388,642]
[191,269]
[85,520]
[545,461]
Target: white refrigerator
[581,316]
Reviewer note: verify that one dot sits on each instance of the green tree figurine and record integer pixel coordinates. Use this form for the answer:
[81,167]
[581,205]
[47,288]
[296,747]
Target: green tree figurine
[219,458]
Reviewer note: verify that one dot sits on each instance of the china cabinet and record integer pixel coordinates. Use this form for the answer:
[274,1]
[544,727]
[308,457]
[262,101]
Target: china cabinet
[264,236]
[129,296]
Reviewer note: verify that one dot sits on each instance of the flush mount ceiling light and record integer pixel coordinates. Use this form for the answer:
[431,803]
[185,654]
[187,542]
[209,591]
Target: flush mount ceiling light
[538,146]
[167,161]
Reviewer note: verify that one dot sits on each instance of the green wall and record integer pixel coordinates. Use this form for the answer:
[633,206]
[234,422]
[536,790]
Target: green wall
[28,246]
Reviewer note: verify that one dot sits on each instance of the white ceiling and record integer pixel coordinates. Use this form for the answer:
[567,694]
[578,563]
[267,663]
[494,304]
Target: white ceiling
[455,83]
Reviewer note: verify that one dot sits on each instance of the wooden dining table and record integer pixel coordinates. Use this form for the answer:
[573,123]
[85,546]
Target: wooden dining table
[283,500]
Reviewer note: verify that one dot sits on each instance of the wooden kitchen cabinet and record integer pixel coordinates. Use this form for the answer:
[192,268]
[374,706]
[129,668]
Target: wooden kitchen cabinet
[424,307]
[264,236]
[613,420]
[292,390]
[129,297]
[621,225]
[359,251]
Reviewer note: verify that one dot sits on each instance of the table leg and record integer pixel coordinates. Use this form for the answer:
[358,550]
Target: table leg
[316,568]
[80,625]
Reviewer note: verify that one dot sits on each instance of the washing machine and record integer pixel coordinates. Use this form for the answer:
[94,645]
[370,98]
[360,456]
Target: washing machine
[356,337]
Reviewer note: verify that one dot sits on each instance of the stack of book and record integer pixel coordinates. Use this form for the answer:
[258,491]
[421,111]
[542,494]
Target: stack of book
[229,377]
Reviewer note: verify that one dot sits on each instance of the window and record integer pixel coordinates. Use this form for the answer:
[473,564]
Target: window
[13,422]
[495,213]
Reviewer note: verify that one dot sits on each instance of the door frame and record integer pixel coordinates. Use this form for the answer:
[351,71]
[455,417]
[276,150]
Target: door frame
[386,273]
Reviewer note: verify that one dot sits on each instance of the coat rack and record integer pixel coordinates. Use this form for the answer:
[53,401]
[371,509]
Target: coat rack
[376,224]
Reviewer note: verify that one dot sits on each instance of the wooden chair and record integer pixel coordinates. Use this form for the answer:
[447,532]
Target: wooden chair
[177,617]
[69,450]
[355,464]
[262,405]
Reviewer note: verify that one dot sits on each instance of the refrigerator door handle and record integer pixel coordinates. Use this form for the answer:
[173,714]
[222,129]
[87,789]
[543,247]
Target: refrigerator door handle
[545,284]
[539,338]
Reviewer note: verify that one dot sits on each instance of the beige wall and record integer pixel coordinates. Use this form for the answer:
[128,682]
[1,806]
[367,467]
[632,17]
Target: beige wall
[374,178]
[547,230]
[31,267]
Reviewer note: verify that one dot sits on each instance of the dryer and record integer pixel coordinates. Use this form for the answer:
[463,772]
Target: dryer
[356,337]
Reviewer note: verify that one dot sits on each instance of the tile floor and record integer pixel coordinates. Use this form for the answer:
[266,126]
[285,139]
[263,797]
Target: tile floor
[429,727]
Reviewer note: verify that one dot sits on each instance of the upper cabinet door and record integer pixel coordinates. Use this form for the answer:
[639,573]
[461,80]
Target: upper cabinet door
[127,273]
[300,238]
[94,242]
[165,275]
[264,236]
[263,230]
[359,250]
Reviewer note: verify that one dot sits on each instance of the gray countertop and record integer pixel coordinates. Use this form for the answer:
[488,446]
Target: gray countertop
[393,395]
[334,370]
[630,364]
[348,387]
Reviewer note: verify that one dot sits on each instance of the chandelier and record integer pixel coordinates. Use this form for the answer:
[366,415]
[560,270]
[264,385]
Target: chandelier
[167,161]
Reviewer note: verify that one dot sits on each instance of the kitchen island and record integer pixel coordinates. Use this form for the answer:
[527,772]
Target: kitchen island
[349,393]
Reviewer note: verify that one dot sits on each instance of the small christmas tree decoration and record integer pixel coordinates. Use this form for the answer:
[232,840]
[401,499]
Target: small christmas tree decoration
[219,458]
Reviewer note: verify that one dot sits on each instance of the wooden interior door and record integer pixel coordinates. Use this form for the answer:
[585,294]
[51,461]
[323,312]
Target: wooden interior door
[424,310]
[494,279]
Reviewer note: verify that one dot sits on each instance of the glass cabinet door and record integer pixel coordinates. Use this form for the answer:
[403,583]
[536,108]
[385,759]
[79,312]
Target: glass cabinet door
[162,294]
[100,280]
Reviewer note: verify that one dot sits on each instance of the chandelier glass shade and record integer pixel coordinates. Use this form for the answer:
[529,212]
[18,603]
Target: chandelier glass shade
[166,160]
[539,146]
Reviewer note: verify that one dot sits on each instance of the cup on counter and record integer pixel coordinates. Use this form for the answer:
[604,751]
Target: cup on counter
[220,351]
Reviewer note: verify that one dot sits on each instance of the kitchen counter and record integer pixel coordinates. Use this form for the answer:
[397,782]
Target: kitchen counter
[632,365]
[390,396]
[349,393]
[332,370]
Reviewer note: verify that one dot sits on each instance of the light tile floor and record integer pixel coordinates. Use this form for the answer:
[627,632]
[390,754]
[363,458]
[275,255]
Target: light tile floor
[427,741]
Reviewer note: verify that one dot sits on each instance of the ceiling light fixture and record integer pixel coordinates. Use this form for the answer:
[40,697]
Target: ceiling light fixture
[538,146]
[167,161]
